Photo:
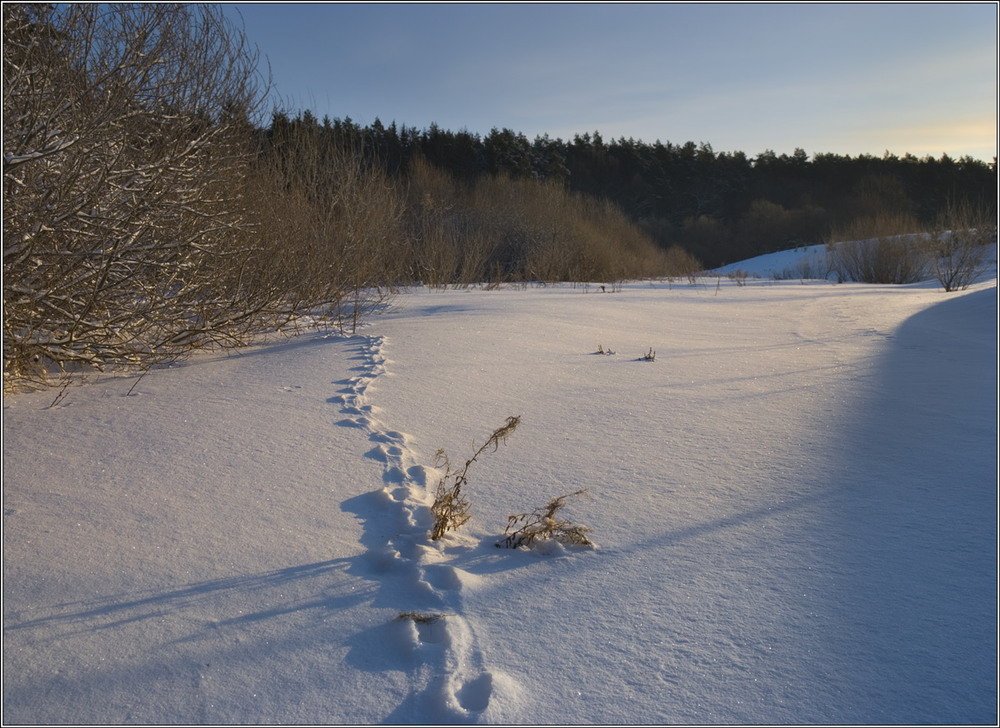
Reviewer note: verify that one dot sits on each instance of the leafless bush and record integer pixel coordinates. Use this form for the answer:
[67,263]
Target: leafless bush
[767,225]
[500,229]
[435,224]
[880,260]
[335,215]
[369,235]
[450,507]
[766,222]
[958,252]
[542,524]
[126,142]
[882,248]
[739,276]
[680,263]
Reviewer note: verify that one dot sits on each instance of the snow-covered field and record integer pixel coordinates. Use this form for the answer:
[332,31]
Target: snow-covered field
[794,508]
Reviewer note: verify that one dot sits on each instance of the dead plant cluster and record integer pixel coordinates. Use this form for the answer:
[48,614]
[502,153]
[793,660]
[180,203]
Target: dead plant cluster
[739,276]
[420,617]
[451,507]
[543,524]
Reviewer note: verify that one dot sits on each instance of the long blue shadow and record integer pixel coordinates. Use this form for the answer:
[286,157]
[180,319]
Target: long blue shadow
[913,527]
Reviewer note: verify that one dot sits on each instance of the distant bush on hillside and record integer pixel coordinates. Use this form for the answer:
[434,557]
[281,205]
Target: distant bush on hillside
[894,260]
[954,251]
[958,249]
[882,248]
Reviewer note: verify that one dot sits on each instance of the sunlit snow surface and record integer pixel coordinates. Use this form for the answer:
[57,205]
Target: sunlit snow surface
[794,507]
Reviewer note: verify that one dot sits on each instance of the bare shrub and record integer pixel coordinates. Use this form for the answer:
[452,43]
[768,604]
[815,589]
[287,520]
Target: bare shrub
[126,143]
[451,507]
[145,216]
[767,226]
[958,252]
[766,223]
[501,229]
[880,195]
[679,263]
[543,524]
[881,260]
[435,228]
[882,248]
[336,216]
[368,218]
[707,235]
[558,235]
[739,276]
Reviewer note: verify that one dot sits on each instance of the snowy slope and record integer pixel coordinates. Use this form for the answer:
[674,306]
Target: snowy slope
[794,507]
[808,262]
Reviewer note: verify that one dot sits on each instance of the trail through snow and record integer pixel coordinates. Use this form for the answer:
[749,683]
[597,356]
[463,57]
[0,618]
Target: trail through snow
[449,680]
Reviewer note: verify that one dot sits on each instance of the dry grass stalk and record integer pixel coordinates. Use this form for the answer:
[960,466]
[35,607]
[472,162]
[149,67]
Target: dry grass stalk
[420,617]
[450,507]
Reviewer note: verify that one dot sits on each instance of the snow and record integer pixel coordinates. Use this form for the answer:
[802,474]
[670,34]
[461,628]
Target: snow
[808,262]
[794,509]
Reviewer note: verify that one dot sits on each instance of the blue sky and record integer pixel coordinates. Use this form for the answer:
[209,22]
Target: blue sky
[843,78]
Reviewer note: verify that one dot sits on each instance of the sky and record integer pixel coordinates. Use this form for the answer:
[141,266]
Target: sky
[828,78]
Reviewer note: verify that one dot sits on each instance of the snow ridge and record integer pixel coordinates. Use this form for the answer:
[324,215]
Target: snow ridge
[448,679]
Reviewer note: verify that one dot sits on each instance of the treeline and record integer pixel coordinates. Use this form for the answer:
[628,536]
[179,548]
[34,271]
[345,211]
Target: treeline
[437,226]
[719,206]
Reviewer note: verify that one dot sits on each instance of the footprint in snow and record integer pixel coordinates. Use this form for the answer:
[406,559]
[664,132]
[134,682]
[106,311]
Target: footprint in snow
[442,576]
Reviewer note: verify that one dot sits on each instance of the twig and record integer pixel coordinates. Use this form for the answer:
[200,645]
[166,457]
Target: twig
[62,394]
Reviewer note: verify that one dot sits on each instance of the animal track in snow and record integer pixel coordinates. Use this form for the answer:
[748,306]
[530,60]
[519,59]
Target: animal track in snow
[393,474]
[418,474]
[450,681]
[474,695]
[442,576]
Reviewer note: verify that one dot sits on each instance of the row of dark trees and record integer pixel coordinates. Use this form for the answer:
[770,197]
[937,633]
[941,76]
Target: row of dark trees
[720,206]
